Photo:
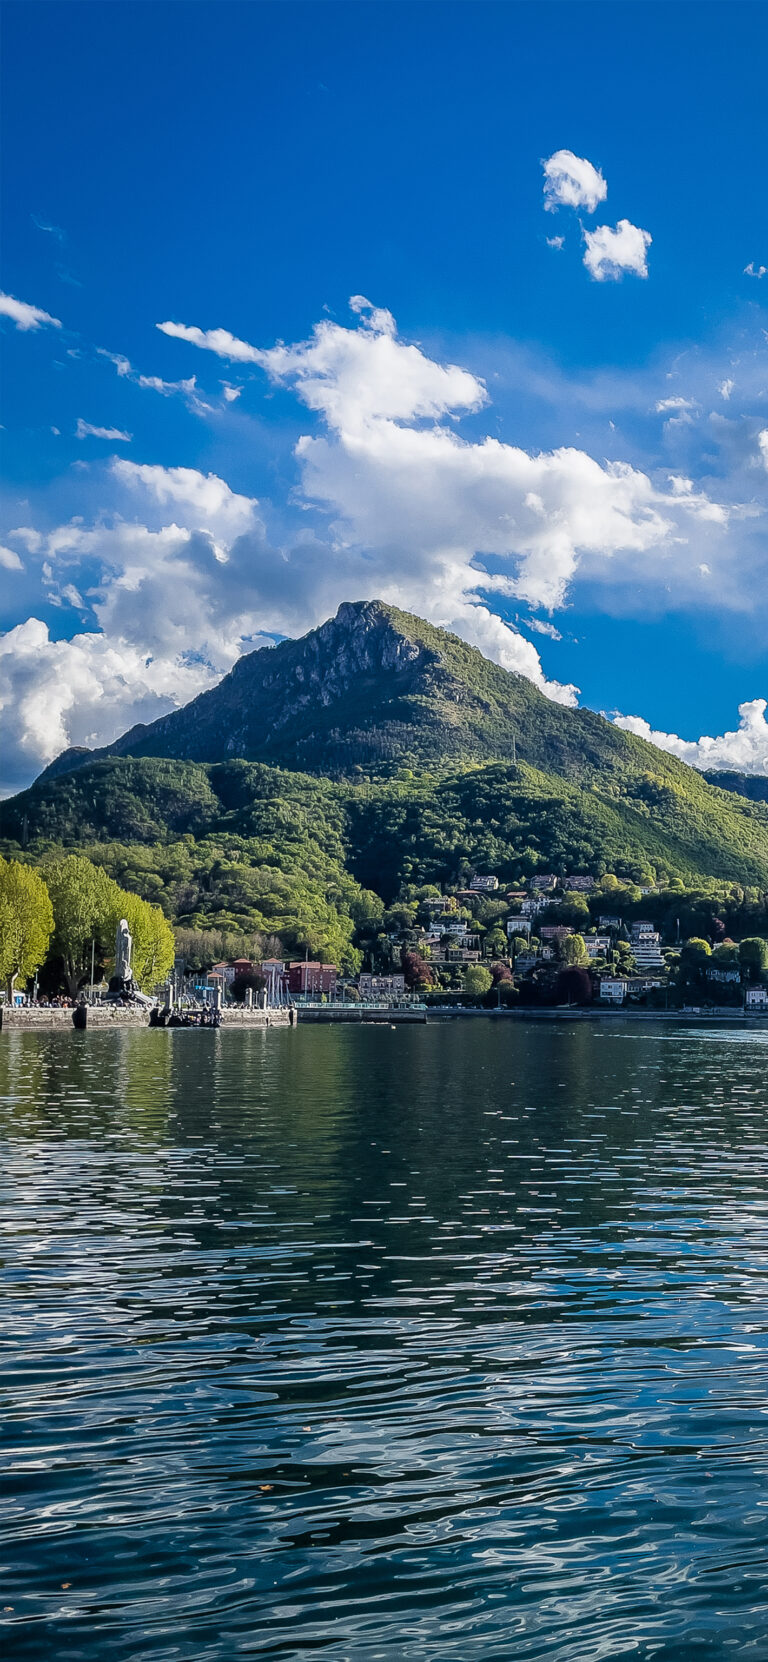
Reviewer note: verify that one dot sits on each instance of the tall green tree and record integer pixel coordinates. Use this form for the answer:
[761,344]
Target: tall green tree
[84,900]
[26,922]
[753,957]
[154,948]
[573,950]
[477,979]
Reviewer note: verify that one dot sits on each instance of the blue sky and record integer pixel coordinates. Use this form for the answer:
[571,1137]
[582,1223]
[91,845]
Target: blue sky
[249,168]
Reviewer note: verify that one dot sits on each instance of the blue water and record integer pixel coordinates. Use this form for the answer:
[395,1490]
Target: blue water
[416,1344]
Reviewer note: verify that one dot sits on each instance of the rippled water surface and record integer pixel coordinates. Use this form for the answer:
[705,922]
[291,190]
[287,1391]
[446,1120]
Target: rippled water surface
[431,1343]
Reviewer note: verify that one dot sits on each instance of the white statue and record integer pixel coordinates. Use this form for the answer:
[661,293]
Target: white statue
[123,948]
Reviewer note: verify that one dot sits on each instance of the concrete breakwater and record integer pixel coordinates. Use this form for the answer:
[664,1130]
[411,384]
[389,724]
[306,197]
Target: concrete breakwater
[105,1017]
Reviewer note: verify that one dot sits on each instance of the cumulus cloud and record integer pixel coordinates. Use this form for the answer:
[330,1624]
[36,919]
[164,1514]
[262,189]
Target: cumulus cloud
[572,182]
[753,270]
[725,388]
[745,750]
[762,440]
[555,242]
[25,316]
[434,505]
[9,559]
[610,252]
[56,693]
[86,430]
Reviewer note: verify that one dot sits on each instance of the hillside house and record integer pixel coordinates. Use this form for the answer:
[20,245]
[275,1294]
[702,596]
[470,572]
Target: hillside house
[381,988]
[312,979]
[613,989]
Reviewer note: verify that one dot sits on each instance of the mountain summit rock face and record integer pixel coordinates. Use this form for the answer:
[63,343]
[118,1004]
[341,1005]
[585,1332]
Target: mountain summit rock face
[373,689]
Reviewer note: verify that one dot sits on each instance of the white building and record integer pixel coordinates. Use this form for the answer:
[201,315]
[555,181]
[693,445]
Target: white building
[756,998]
[518,926]
[597,945]
[482,884]
[646,946]
[613,991]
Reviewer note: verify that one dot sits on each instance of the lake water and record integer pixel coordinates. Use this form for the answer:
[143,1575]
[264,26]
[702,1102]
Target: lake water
[404,1344]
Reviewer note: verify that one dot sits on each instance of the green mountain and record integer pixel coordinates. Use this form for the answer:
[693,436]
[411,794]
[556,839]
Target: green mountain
[375,752]
[373,690]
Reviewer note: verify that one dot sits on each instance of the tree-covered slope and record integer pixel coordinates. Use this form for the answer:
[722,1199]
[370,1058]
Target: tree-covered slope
[427,827]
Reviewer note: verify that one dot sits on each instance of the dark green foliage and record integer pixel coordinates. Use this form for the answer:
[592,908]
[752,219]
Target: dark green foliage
[752,785]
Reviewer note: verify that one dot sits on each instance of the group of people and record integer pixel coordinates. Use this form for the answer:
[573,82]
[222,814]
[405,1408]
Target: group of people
[207,1017]
[58,1002]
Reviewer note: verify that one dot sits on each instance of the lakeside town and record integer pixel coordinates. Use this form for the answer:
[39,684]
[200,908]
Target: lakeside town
[560,940]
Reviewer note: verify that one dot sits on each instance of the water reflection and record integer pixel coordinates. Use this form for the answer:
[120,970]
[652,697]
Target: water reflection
[413,1343]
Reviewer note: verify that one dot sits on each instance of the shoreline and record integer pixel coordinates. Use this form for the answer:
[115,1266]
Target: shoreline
[106,1019]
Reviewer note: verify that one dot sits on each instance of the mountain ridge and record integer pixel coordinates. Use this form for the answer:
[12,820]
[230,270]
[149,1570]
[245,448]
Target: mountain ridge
[370,691]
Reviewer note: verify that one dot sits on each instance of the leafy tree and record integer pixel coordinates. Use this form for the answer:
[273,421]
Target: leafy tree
[694,957]
[500,972]
[574,986]
[26,922]
[154,948]
[416,970]
[477,979]
[573,950]
[83,900]
[753,956]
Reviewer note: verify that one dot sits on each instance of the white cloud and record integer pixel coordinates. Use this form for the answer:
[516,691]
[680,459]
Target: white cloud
[609,253]
[745,750]
[154,383]
[541,628]
[430,506]
[85,430]
[25,316]
[725,388]
[572,182]
[762,439]
[666,404]
[9,559]
[753,270]
[205,501]
[230,392]
[555,242]
[56,693]
[214,340]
